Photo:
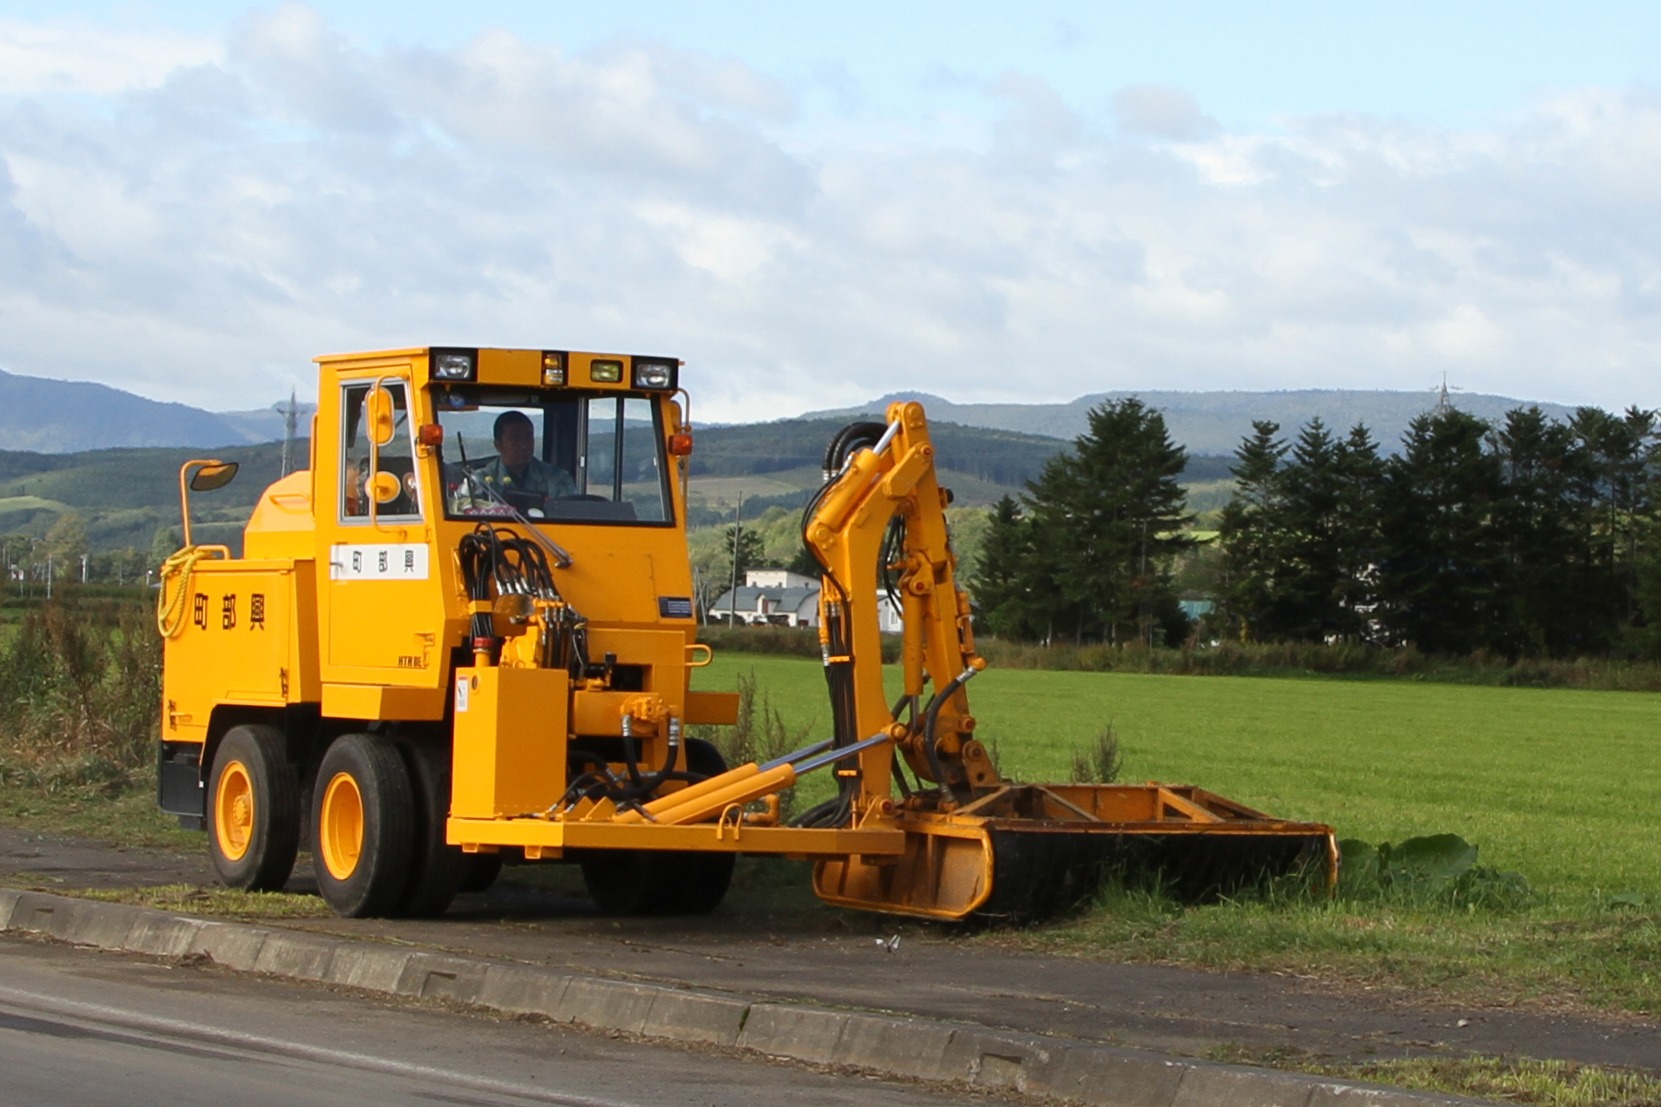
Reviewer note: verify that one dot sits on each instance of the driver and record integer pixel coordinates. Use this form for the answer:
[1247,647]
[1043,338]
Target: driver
[516,473]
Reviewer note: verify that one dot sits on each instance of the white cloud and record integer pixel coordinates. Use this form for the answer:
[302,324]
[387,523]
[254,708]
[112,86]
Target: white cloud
[80,57]
[198,230]
[1161,112]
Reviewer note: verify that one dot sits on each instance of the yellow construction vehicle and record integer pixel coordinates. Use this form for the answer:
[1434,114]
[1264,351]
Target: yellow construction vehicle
[467,629]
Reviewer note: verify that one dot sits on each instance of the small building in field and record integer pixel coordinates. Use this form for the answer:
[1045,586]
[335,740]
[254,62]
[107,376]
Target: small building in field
[782,598]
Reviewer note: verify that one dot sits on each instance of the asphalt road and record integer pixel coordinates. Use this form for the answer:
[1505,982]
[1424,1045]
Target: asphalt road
[88,1028]
[930,974]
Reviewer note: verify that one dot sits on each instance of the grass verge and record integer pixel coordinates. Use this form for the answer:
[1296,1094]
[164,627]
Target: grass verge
[216,902]
[1504,1079]
[121,810]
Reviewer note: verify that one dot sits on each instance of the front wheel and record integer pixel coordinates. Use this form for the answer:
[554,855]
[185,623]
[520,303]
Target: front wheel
[648,882]
[253,810]
[364,833]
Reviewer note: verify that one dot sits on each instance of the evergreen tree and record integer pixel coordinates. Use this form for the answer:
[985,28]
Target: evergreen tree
[1606,482]
[1356,533]
[1003,574]
[1312,485]
[1438,575]
[1535,533]
[1252,533]
[1643,635]
[1108,517]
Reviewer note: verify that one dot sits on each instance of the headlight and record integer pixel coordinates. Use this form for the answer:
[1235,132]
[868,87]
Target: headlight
[654,372]
[605,371]
[453,365]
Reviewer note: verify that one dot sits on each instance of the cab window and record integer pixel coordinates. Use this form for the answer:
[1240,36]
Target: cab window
[569,457]
[396,457]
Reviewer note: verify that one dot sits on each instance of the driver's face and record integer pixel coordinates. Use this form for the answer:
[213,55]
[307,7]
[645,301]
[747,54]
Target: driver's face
[516,445]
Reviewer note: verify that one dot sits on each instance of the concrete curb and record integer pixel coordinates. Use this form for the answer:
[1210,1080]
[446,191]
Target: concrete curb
[892,1045]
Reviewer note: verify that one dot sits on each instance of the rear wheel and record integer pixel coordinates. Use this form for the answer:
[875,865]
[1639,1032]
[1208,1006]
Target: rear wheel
[253,810]
[479,871]
[364,833]
[437,868]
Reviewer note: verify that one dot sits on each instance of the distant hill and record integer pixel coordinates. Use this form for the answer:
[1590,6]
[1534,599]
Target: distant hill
[126,494]
[996,456]
[57,417]
[1215,422]
[269,424]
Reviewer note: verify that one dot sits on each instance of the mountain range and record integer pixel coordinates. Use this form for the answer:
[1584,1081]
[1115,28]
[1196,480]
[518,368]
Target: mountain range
[41,415]
[46,416]
[1214,423]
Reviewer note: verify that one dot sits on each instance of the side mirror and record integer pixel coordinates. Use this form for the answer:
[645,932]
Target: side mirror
[379,409]
[212,475]
[201,476]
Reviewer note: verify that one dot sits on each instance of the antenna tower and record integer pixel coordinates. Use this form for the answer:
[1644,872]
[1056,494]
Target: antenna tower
[289,412]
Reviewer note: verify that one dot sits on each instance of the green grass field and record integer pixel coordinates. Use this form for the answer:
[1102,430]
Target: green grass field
[1561,786]
[1564,786]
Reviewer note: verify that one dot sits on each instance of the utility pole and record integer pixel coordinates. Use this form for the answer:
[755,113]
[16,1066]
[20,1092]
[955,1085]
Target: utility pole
[290,414]
[732,596]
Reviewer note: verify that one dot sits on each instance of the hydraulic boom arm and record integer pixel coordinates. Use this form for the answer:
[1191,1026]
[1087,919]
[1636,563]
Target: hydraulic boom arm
[881,519]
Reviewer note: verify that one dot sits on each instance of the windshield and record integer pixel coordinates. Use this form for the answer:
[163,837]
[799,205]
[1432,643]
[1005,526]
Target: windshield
[568,456]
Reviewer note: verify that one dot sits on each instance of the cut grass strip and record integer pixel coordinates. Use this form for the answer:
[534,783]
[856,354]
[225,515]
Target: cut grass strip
[1505,1079]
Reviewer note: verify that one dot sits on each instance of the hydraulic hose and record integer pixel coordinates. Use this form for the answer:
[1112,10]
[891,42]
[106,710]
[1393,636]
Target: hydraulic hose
[932,717]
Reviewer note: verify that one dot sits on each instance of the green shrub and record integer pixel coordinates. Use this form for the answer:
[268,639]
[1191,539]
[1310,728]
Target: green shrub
[1434,869]
[80,693]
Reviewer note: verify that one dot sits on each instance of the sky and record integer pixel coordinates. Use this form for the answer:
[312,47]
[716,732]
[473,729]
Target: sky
[815,207]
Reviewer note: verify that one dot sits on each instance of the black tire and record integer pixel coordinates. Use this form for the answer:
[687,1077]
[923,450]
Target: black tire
[479,871]
[703,878]
[253,816]
[363,827]
[436,868]
[628,881]
[649,882]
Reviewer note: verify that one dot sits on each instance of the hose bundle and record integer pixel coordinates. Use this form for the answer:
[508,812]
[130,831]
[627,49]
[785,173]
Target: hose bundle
[496,561]
[838,626]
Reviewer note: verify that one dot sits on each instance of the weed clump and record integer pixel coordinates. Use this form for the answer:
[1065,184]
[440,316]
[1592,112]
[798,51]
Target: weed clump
[1101,762]
[80,694]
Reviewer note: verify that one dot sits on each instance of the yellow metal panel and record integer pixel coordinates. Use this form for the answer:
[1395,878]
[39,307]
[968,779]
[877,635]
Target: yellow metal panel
[282,524]
[712,708]
[517,367]
[549,834]
[509,741]
[378,701]
[945,872]
[598,712]
[236,642]
[663,651]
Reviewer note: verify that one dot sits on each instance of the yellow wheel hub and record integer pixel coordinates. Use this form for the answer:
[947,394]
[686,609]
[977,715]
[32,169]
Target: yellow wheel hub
[341,826]
[233,811]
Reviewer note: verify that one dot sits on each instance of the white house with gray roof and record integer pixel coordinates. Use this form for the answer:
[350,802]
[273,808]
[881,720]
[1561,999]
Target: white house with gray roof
[786,599]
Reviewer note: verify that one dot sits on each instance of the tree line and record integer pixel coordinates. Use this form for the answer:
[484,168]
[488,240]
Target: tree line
[1526,537]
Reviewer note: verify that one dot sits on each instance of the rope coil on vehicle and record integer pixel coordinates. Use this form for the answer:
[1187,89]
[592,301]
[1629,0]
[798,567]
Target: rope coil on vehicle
[170,612]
